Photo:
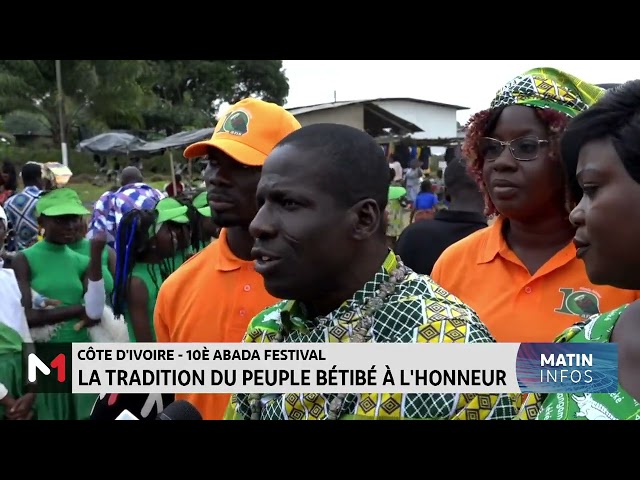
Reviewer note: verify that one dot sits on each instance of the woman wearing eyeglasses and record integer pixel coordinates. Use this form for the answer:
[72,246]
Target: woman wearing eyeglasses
[521,274]
[600,151]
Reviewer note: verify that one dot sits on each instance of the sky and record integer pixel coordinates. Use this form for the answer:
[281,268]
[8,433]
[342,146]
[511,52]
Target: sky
[468,83]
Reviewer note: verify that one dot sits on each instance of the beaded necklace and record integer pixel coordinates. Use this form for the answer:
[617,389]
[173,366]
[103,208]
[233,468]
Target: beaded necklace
[360,334]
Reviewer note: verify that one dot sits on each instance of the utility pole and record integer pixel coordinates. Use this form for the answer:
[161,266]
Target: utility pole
[63,143]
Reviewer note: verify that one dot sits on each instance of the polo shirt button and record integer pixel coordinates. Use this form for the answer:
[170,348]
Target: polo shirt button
[247,288]
[528,289]
[243,312]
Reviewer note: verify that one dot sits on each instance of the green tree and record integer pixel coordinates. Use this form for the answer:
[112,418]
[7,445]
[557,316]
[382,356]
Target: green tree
[164,96]
[189,92]
[21,123]
[111,93]
[264,79]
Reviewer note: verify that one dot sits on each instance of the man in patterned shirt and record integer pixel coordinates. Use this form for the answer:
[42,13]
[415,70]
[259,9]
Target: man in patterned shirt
[320,241]
[21,208]
[112,206]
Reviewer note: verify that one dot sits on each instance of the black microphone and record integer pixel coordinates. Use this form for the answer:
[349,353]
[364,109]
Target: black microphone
[179,410]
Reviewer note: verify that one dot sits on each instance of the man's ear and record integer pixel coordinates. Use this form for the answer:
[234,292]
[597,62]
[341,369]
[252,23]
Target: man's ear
[366,217]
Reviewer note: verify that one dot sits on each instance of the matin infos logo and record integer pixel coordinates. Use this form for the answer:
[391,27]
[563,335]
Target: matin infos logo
[567,367]
[48,366]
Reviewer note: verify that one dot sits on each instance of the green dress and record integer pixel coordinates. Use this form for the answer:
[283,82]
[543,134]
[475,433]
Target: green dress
[180,257]
[590,406]
[57,272]
[10,363]
[84,248]
[147,272]
[395,218]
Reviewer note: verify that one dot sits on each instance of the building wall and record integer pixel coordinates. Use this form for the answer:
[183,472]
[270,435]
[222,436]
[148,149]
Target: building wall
[352,115]
[436,121]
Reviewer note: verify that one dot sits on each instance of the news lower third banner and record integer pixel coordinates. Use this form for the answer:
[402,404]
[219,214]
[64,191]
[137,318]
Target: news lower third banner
[324,368]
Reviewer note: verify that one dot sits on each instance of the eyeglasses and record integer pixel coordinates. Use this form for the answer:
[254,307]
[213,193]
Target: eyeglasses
[523,149]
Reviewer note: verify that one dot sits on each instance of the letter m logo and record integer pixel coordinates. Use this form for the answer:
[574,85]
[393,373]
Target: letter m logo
[34,364]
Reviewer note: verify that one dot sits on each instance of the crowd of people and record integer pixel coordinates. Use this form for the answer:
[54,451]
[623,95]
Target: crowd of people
[311,234]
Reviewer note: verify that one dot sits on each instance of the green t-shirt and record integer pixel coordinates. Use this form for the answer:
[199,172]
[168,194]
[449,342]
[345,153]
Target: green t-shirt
[57,272]
[84,248]
[591,406]
[150,275]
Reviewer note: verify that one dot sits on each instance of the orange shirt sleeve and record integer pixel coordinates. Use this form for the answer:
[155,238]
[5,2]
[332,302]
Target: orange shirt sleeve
[162,331]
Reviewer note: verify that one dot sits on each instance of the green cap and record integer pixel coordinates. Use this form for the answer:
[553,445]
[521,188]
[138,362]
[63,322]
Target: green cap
[61,201]
[397,192]
[201,204]
[169,209]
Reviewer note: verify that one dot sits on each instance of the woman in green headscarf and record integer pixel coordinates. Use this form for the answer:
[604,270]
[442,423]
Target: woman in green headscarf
[146,245]
[521,274]
[600,153]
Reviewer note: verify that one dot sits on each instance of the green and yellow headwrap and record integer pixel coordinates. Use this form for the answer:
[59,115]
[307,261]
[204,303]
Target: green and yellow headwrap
[201,204]
[169,209]
[549,88]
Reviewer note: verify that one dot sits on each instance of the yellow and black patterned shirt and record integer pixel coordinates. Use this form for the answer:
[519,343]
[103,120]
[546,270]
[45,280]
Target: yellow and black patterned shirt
[418,311]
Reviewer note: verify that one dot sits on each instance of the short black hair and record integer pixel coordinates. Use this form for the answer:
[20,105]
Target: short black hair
[356,166]
[616,116]
[457,177]
[608,86]
[31,173]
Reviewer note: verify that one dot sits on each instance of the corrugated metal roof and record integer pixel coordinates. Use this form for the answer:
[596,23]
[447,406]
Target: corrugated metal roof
[322,106]
[326,106]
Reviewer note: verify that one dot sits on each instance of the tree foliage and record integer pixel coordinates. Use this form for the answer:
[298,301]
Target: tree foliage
[156,96]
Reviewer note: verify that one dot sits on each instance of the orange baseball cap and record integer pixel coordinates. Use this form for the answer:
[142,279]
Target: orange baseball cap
[248,131]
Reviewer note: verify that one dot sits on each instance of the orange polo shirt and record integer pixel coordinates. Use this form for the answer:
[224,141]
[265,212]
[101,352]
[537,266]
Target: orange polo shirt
[212,297]
[516,306]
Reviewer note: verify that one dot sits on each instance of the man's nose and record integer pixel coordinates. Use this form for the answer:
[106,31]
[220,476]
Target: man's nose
[262,225]
[215,176]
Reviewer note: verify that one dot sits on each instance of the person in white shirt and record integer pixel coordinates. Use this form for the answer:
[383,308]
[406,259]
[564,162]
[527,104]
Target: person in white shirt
[397,169]
[15,403]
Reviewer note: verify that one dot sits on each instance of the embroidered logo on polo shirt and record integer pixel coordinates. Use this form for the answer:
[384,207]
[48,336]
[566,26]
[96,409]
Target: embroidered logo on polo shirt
[580,302]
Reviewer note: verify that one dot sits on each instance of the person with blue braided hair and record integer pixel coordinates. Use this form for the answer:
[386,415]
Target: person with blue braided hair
[145,247]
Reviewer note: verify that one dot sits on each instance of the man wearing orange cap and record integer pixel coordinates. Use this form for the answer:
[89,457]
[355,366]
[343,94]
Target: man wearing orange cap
[214,295]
